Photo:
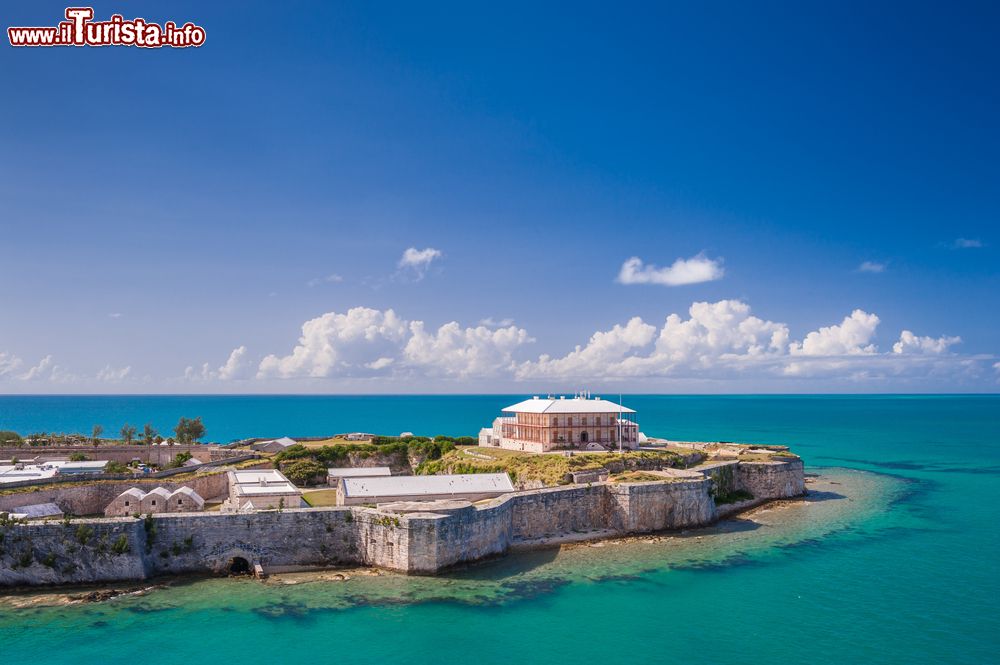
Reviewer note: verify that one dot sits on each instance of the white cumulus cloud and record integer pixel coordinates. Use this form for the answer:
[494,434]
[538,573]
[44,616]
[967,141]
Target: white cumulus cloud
[714,341]
[910,343]
[697,269]
[370,342]
[852,336]
[967,243]
[461,352]
[416,261]
[340,344]
[237,366]
[43,370]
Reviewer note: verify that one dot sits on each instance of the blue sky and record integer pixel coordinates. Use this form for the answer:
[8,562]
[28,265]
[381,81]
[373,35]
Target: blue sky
[234,218]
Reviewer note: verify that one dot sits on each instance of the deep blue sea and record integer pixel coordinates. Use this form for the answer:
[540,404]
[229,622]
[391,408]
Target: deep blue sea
[896,558]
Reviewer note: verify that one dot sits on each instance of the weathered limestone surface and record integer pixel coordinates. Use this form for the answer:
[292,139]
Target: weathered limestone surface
[406,541]
[772,480]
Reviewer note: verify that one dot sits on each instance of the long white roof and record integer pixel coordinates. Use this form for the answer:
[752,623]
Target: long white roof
[425,485]
[567,405]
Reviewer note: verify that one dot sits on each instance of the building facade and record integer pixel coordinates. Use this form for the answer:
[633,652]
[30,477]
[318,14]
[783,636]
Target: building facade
[134,501]
[540,425]
[268,489]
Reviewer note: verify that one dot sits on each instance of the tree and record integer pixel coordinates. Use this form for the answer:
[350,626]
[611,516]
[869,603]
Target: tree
[97,432]
[304,471]
[128,434]
[188,430]
[179,460]
[8,438]
[148,434]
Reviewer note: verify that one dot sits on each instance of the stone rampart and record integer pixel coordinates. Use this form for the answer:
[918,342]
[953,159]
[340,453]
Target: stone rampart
[161,455]
[407,541]
[772,480]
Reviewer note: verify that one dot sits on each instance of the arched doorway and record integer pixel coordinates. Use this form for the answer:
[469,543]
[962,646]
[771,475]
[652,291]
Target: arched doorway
[583,437]
[239,566]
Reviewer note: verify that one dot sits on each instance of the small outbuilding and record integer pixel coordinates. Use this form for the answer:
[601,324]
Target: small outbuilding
[274,445]
[81,468]
[185,500]
[468,486]
[264,489]
[155,501]
[127,503]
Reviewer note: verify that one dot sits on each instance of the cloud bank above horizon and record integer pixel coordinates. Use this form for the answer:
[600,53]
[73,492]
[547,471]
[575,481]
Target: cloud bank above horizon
[716,341]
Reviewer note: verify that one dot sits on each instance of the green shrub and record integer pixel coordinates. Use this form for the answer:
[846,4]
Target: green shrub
[84,533]
[732,497]
[116,467]
[121,545]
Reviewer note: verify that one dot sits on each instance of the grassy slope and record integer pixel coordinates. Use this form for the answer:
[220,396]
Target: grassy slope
[548,469]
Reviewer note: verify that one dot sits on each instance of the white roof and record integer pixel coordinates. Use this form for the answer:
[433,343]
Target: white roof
[283,441]
[425,485]
[89,466]
[37,510]
[263,482]
[11,474]
[188,492]
[257,475]
[359,472]
[564,405]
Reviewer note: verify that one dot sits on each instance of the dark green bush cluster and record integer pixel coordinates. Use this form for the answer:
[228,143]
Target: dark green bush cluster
[384,446]
[732,497]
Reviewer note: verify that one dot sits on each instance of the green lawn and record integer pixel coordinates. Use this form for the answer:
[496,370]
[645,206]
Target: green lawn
[321,498]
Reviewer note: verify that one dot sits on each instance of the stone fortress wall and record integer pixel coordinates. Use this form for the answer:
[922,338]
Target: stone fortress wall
[203,452]
[406,539]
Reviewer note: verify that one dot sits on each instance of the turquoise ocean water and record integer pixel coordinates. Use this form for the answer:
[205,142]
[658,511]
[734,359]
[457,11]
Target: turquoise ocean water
[895,559]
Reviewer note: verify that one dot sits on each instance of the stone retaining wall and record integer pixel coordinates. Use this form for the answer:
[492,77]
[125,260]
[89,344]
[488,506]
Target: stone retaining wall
[93,498]
[161,455]
[411,542]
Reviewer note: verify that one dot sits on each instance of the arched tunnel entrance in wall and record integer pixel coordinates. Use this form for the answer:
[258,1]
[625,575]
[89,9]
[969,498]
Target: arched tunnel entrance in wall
[239,566]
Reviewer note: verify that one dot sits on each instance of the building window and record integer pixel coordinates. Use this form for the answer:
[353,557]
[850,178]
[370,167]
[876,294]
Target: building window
[154,502]
[126,504]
